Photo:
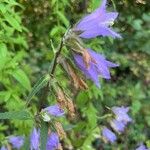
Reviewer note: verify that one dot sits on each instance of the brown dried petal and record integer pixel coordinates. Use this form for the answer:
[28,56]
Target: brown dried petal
[77,81]
[60,130]
[87,58]
[61,98]
[71,108]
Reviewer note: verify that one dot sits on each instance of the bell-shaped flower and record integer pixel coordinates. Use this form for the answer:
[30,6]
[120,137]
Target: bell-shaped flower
[16,141]
[52,141]
[108,135]
[142,147]
[98,23]
[3,148]
[121,114]
[35,139]
[117,125]
[54,110]
[99,67]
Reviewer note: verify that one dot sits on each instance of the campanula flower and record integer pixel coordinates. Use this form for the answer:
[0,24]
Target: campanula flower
[52,141]
[118,126]
[35,139]
[98,68]
[108,135]
[3,148]
[16,141]
[142,147]
[54,110]
[121,114]
[98,23]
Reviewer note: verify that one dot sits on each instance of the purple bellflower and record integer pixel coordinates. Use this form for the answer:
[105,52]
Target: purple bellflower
[52,141]
[16,141]
[35,139]
[142,147]
[3,148]
[54,110]
[98,68]
[121,114]
[117,125]
[109,135]
[98,23]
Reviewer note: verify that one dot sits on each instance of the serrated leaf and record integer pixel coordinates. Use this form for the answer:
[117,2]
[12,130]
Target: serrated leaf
[43,135]
[12,21]
[20,115]
[39,85]
[22,78]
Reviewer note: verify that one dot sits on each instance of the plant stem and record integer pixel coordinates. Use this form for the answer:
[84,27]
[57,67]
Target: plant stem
[45,90]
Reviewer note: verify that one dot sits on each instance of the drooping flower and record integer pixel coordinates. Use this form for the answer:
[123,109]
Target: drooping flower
[16,141]
[109,135]
[121,114]
[54,110]
[52,141]
[142,147]
[3,148]
[98,23]
[98,68]
[117,125]
[35,139]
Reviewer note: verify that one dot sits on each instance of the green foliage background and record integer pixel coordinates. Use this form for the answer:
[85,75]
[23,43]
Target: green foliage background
[27,30]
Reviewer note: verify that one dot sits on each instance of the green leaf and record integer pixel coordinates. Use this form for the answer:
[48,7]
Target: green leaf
[22,78]
[43,135]
[20,115]
[26,143]
[39,85]
[3,50]
[12,21]
[2,8]
[63,18]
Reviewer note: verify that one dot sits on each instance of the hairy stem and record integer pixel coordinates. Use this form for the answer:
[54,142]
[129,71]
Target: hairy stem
[45,90]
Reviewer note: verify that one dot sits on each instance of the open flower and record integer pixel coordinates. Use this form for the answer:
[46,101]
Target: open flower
[99,67]
[52,141]
[54,110]
[98,23]
[117,125]
[121,114]
[108,135]
[35,139]
[16,141]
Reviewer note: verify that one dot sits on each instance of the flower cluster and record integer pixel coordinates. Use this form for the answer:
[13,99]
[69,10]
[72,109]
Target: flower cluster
[92,64]
[118,124]
[53,138]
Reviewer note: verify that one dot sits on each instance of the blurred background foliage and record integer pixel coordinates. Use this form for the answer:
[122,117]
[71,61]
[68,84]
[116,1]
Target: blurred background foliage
[29,29]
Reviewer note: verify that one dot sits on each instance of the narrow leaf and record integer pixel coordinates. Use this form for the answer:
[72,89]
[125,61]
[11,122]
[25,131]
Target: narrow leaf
[63,18]
[26,143]
[20,115]
[39,85]
[43,135]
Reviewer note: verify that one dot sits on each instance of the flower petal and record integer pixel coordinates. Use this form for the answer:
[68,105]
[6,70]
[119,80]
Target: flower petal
[54,110]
